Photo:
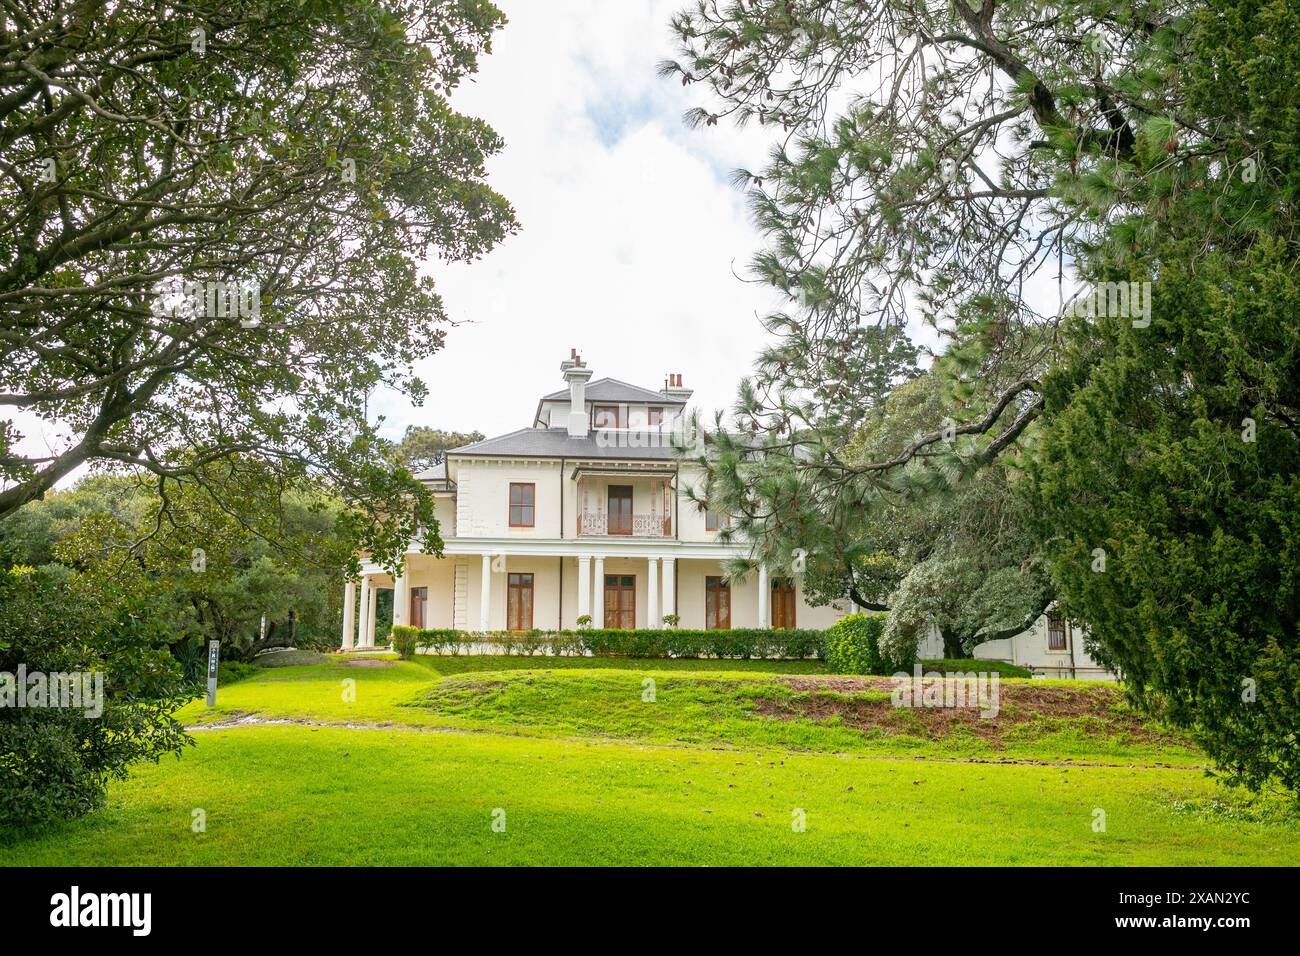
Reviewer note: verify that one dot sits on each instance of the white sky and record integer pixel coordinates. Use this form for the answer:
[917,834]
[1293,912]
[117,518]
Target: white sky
[630,231]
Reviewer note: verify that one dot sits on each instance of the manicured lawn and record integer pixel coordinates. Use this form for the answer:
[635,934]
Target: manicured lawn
[712,771]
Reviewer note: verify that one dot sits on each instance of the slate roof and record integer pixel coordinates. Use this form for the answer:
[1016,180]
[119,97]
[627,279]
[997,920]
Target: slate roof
[612,390]
[436,472]
[556,443]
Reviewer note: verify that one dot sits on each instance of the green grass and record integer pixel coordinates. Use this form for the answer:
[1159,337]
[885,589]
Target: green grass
[709,772]
[294,795]
[582,697]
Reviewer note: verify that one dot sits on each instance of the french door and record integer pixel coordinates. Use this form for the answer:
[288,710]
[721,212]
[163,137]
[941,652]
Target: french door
[783,603]
[717,604]
[419,601]
[620,509]
[519,602]
[620,601]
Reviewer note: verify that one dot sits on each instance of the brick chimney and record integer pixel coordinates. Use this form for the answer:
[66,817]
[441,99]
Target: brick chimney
[673,388]
[576,375]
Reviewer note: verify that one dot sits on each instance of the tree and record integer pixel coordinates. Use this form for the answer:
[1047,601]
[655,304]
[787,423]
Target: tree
[217,574]
[939,545]
[1168,483]
[55,762]
[1148,142]
[28,536]
[213,227]
[422,446]
[934,158]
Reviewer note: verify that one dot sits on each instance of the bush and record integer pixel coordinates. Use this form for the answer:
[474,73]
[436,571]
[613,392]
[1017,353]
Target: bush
[853,645]
[228,672]
[55,762]
[405,640]
[743,643]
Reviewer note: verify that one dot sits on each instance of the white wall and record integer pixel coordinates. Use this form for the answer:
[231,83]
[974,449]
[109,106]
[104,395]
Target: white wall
[483,498]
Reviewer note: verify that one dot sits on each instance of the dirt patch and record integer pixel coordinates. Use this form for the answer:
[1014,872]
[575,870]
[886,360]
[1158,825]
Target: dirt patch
[289,658]
[859,703]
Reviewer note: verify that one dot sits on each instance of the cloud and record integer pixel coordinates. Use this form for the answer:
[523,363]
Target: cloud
[631,236]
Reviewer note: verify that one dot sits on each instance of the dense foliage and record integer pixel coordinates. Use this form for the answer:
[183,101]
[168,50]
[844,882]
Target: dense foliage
[55,762]
[740,642]
[853,646]
[1168,484]
[214,222]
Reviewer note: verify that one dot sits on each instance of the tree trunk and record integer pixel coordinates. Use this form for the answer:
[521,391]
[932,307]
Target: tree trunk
[952,646]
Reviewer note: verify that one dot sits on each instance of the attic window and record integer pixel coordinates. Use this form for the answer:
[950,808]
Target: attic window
[606,416]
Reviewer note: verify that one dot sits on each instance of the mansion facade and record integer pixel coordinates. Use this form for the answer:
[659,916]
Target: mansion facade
[586,514]
[583,514]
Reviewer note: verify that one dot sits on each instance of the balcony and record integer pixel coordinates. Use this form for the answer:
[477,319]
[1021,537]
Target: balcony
[603,524]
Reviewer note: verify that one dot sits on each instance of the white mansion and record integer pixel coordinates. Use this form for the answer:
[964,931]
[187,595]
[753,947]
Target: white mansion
[585,513]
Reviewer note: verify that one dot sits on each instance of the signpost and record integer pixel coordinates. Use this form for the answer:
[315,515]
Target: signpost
[214,655]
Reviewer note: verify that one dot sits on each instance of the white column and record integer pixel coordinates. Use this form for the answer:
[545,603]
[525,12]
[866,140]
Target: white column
[584,588]
[366,591]
[598,593]
[401,595]
[349,614]
[652,616]
[670,586]
[369,640]
[485,595]
[764,598]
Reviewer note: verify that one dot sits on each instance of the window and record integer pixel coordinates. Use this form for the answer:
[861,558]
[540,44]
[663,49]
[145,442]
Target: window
[522,497]
[620,601]
[713,521]
[1057,633]
[519,602]
[606,416]
[655,416]
[419,601]
[782,603]
[717,604]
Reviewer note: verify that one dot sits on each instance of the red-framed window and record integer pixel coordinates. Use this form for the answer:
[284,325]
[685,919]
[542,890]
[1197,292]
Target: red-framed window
[654,416]
[523,499]
[607,416]
[419,602]
[519,601]
[717,604]
[713,521]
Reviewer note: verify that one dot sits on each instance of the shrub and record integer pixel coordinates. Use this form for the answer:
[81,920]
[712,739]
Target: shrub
[853,645]
[609,642]
[405,640]
[55,762]
[228,672]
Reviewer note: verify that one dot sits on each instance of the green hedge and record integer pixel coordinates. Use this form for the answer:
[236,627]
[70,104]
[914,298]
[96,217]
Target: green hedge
[601,642]
[853,645]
